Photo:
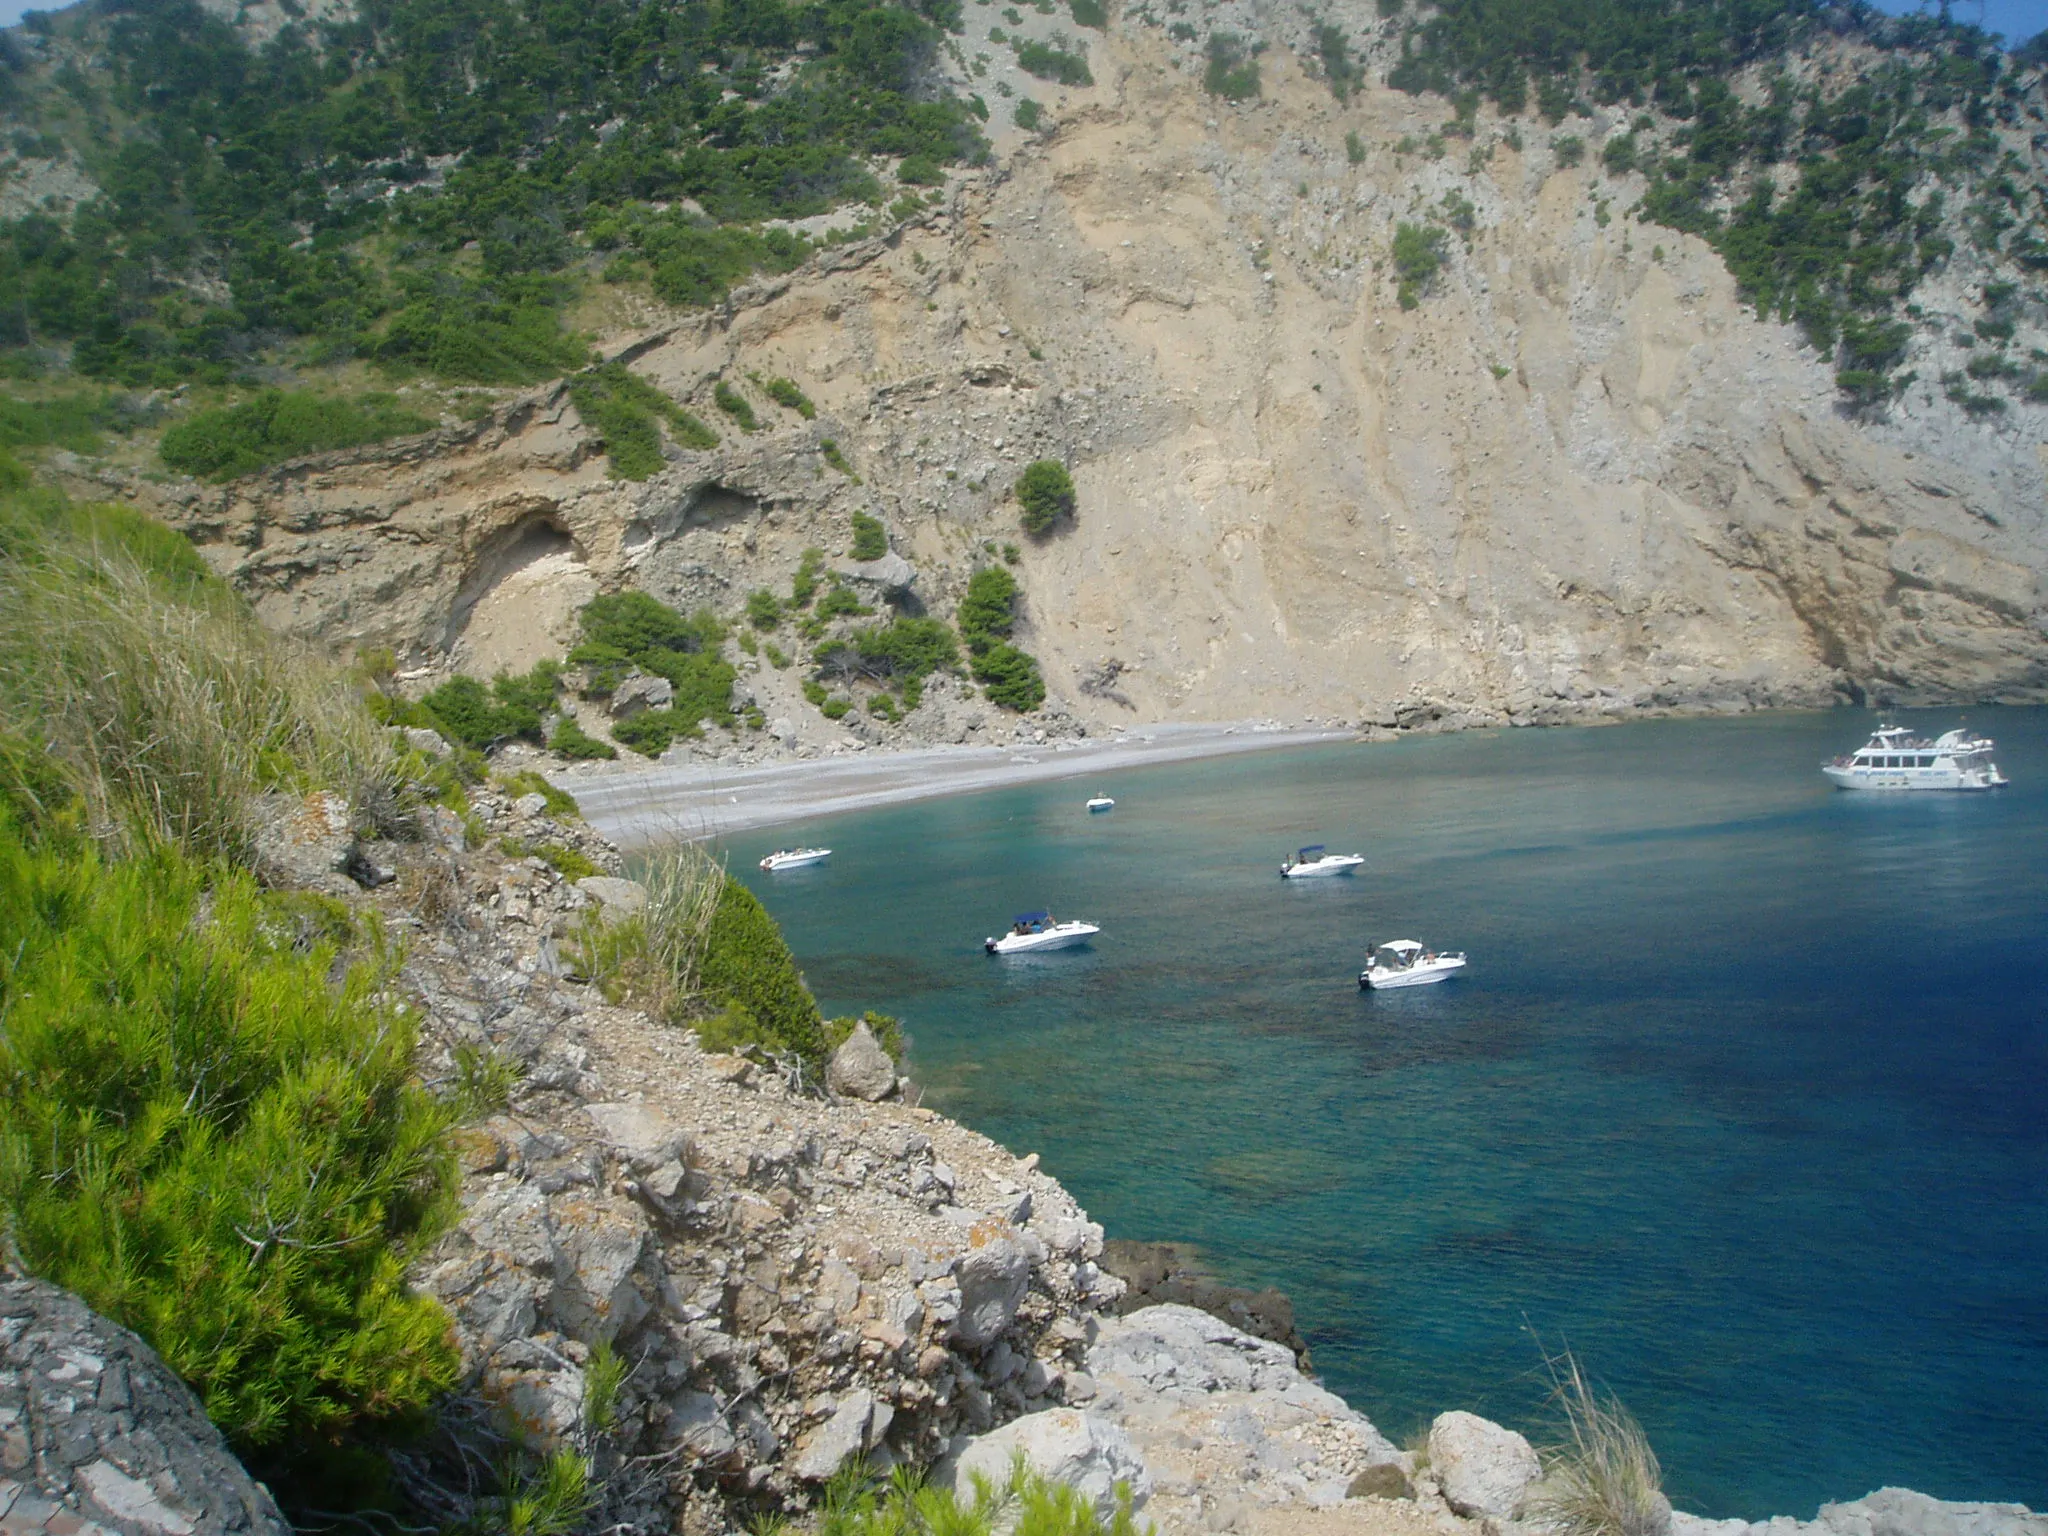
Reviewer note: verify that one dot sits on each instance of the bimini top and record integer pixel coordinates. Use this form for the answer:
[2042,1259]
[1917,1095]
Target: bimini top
[1032,917]
[1402,946]
[1311,853]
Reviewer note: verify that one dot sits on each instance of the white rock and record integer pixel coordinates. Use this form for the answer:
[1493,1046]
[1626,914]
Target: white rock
[860,1068]
[640,1137]
[598,1249]
[1484,1469]
[993,1279]
[1066,1445]
[619,898]
[856,1426]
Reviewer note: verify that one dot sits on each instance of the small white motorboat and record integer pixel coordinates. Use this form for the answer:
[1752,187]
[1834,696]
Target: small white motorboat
[1035,931]
[1314,861]
[1405,963]
[795,858]
[1894,758]
[1100,803]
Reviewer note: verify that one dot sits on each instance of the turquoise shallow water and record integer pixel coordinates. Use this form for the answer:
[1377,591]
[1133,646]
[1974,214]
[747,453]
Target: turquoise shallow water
[1745,1095]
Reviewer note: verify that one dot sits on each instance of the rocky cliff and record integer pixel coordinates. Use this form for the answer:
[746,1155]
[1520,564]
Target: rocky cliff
[1579,478]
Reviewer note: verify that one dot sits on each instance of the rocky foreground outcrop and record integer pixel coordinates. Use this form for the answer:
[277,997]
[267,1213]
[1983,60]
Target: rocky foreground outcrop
[97,1435]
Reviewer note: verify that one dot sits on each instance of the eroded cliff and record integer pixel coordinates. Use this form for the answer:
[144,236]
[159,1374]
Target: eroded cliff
[1579,478]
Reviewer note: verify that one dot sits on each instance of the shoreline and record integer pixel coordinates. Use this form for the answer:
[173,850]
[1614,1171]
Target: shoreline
[641,807]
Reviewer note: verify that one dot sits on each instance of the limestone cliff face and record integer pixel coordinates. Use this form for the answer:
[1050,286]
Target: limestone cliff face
[1578,478]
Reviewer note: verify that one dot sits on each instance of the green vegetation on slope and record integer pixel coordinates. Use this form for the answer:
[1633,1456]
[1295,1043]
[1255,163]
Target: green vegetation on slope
[1840,195]
[279,204]
[208,1122]
[276,425]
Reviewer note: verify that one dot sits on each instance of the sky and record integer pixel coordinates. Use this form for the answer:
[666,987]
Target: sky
[2018,20]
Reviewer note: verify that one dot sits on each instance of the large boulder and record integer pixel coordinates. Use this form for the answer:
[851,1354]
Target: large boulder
[641,691]
[890,576]
[100,1434]
[993,1278]
[618,897]
[860,1068]
[1064,1445]
[1483,1468]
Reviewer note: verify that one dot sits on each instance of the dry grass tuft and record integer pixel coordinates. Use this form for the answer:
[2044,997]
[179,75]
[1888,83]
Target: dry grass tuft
[158,697]
[1603,1480]
[653,959]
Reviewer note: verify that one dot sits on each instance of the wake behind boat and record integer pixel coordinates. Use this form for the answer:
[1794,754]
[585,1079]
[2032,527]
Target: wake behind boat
[1315,861]
[795,858]
[1035,931]
[1405,963]
[1894,758]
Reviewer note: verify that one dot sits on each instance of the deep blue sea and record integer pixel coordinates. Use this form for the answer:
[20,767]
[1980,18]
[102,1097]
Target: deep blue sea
[1744,1096]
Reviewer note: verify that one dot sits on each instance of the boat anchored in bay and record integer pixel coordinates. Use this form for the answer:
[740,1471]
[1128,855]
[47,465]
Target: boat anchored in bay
[1894,758]
[795,858]
[1035,931]
[1405,963]
[1314,861]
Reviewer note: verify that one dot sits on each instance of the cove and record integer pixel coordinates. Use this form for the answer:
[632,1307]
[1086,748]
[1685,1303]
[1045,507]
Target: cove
[1744,1095]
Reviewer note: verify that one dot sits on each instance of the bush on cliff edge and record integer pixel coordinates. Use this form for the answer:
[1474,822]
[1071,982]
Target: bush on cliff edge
[747,965]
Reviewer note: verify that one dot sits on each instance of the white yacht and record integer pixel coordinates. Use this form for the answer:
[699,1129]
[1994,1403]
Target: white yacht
[1894,758]
[1036,931]
[1405,963]
[1314,861]
[1101,803]
[795,858]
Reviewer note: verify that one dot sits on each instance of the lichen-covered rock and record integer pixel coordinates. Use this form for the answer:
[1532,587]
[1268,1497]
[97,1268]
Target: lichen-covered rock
[993,1278]
[1483,1468]
[97,1435]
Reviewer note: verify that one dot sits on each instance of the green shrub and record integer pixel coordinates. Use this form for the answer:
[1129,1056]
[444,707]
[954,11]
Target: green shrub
[1354,148]
[73,422]
[830,449]
[1046,493]
[777,658]
[785,393]
[527,782]
[1026,114]
[1049,62]
[870,538]
[747,963]
[1089,13]
[989,609]
[764,609]
[841,601]
[803,586]
[276,425]
[1233,72]
[906,648]
[624,630]
[1418,254]
[1011,677]
[627,411]
[815,692]
[465,711]
[217,1147]
[578,745]
[1023,1504]
[1568,149]
[835,708]
[735,405]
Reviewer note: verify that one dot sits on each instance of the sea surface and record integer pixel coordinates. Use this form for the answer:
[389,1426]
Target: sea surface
[1744,1096]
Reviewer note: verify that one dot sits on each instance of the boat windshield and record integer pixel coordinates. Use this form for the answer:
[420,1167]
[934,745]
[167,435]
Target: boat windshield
[1309,854]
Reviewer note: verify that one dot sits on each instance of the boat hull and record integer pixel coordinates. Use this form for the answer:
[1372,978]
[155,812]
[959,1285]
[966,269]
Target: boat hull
[1322,869]
[781,861]
[1423,975]
[1064,937]
[1895,780]
[1097,807]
